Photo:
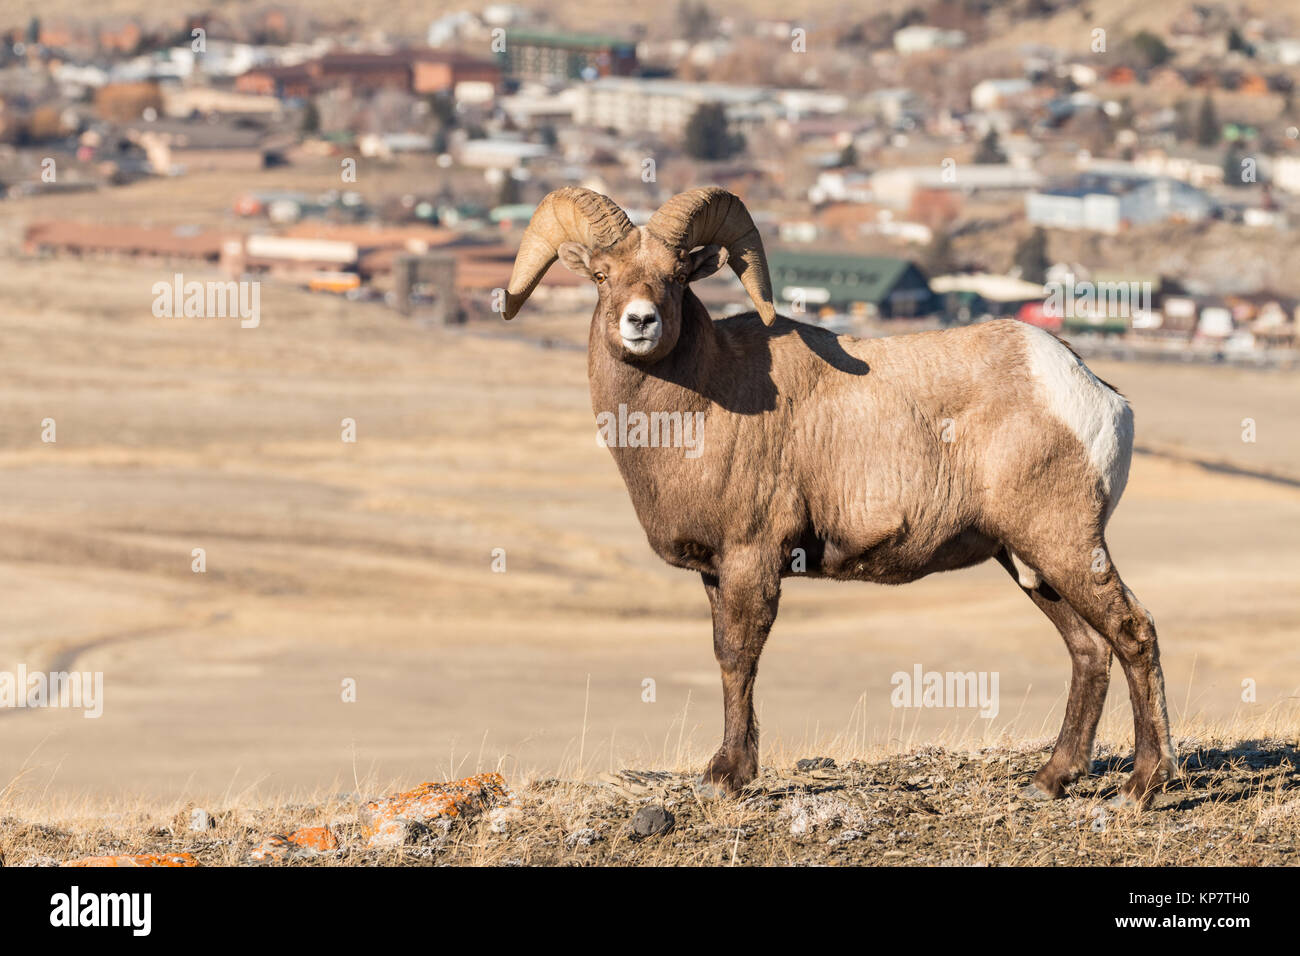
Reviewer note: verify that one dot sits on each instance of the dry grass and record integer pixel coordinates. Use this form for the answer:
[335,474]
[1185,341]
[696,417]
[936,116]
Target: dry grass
[1237,802]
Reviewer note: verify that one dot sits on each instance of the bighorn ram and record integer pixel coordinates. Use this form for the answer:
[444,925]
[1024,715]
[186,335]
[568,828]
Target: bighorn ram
[882,460]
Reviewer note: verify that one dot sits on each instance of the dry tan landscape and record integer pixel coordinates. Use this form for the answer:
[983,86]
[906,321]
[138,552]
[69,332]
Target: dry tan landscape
[329,561]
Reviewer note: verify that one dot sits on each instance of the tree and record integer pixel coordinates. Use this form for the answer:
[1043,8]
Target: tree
[310,121]
[1031,256]
[443,107]
[939,258]
[508,191]
[1208,129]
[708,135]
[1232,167]
[990,151]
[1150,49]
[694,19]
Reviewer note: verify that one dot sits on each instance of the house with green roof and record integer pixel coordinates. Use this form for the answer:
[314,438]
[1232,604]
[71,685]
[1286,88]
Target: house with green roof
[888,287]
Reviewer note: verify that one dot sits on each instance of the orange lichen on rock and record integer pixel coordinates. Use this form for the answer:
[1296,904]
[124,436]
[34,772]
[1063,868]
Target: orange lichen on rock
[387,820]
[137,859]
[314,838]
[306,840]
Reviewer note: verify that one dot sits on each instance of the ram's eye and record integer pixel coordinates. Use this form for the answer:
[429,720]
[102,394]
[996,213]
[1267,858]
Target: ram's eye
[600,277]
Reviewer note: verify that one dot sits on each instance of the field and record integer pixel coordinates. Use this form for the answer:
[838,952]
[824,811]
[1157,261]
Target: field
[330,562]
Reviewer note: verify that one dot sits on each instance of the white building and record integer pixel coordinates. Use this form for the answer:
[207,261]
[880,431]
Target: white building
[895,186]
[534,106]
[990,94]
[664,107]
[1286,173]
[921,39]
[499,153]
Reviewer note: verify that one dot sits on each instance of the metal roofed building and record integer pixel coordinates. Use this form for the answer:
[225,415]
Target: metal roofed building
[1109,203]
[891,288]
[541,55]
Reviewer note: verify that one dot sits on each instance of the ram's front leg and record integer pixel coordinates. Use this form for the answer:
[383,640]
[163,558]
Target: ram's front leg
[744,600]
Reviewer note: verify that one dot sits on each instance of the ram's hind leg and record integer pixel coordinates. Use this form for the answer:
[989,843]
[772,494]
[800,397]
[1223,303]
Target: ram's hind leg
[1089,679]
[1094,589]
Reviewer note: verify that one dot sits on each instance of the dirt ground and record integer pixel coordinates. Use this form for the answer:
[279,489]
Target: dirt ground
[372,562]
[1233,805]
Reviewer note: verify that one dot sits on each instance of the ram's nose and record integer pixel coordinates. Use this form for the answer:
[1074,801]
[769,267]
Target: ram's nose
[640,326]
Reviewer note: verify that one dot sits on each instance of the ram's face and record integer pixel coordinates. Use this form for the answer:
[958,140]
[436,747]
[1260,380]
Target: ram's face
[640,293]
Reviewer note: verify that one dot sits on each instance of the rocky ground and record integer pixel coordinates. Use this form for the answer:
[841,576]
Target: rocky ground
[1236,804]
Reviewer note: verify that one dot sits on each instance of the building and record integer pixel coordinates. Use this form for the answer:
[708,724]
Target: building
[868,285]
[895,186]
[501,154]
[1286,173]
[972,296]
[538,55]
[1109,204]
[920,38]
[181,145]
[664,107]
[411,71]
[161,244]
[992,94]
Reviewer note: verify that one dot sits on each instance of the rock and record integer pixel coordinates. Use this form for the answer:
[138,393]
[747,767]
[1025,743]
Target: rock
[584,837]
[320,839]
[137,859]
[652,820]
[305,842]
[387,820]
[274,847]
[815,763]
[809,812]
[501,819]
[201,820]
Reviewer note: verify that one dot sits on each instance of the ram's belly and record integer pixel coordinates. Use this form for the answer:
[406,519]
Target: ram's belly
[904,557]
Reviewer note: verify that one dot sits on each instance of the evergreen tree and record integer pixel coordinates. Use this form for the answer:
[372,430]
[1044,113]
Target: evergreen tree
[939,258]
[708,136]
[990,150]
[310,120]
[1031,256]
[1208,129]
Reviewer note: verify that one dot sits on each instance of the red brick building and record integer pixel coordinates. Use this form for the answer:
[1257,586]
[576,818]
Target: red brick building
[412,71]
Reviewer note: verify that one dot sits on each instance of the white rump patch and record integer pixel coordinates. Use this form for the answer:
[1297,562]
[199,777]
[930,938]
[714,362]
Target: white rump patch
[1098,416]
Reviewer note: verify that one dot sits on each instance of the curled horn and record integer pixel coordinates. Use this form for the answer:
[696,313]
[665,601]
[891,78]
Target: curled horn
[567,214]
[711,215]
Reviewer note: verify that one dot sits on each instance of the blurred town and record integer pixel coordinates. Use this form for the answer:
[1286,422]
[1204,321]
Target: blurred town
[940,163]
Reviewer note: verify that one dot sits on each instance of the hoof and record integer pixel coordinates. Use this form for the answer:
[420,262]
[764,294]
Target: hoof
[708,789]
[1124,801]
[1032,791]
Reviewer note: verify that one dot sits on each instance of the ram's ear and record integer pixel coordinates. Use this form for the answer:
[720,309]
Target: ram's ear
[576,258]
[705,261]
